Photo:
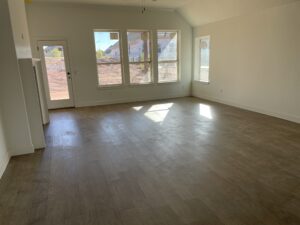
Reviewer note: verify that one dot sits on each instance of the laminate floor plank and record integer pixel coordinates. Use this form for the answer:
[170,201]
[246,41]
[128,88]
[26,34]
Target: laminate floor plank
[182,161]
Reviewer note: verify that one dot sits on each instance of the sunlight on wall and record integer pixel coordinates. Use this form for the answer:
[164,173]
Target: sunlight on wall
[158,113]
[205,111]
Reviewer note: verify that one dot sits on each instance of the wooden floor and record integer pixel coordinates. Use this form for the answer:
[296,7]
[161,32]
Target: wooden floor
[175,162]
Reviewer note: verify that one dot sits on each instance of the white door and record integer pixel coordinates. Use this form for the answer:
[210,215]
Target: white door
[57,74]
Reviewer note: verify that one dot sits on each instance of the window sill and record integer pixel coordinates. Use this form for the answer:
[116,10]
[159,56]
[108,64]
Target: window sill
[138,85]
[169,82]
[202,82]
[105,87]
[120,86]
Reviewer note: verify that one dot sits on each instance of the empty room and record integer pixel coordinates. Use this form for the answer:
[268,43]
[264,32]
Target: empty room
[150,112]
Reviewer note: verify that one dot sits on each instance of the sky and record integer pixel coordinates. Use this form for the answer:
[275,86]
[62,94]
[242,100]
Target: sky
[103,41]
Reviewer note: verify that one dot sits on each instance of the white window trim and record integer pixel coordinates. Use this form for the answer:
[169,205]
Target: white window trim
[121,59]
[178,61]
[151,56]
[197,59]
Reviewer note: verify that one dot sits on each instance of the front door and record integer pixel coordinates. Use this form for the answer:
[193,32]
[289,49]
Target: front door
[57,74]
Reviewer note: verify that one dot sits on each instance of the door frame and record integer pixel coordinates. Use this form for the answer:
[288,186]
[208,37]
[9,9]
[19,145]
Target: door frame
[56,104]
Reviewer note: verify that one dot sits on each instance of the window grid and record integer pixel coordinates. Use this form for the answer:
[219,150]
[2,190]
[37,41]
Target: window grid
[140,67]
[145,63]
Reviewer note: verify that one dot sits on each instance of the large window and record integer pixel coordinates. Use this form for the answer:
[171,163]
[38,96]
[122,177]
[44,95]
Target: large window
[167,42]
[109,59]
[139,55]
[202,59]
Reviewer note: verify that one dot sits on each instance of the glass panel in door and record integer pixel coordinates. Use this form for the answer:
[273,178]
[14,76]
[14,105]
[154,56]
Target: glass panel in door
[56,72]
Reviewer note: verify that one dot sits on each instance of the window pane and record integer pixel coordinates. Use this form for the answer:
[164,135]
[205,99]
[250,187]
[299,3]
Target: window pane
[109,74]
[167,72]
[107,47]
[108,51]
[204,59]
[167,45]
[139,46]
[56,72]
[140,73]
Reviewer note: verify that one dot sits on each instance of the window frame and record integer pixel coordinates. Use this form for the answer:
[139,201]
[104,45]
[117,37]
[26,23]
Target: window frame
[197,62]
[178,61]
[151,56]
[121,58]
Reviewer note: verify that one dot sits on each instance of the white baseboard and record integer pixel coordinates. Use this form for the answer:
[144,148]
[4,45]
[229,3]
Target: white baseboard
[125,100]
[4,162]
[291,118]
[22,151]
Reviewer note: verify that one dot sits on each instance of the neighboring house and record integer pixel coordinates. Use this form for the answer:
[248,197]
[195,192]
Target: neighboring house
[166,49]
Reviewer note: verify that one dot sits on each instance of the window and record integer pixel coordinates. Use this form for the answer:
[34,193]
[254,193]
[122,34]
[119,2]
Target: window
[139,55]
[109,60]
[202,66]
[167,43]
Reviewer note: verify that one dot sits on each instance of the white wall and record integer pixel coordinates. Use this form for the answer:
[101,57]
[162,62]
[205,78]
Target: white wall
[41,90]
[22,44]
[32,103]
[20,28]
[255,62]
[12,100]
[75,23]
[4,154]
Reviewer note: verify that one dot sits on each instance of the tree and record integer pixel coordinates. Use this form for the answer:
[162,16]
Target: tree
[56,53]
[99,53]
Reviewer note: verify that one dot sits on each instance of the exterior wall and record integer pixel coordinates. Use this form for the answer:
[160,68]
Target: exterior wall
[75,23]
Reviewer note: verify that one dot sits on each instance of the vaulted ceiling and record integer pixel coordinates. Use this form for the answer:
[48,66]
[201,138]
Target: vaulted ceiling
[200,12]
[196,12]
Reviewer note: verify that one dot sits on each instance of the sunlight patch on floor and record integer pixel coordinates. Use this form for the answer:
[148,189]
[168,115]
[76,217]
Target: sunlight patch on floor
[137,108]
[158,113]
[205,111]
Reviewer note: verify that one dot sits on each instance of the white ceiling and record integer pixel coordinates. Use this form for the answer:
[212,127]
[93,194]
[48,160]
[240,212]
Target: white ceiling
[200,12]
[196,12]
[170,4]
